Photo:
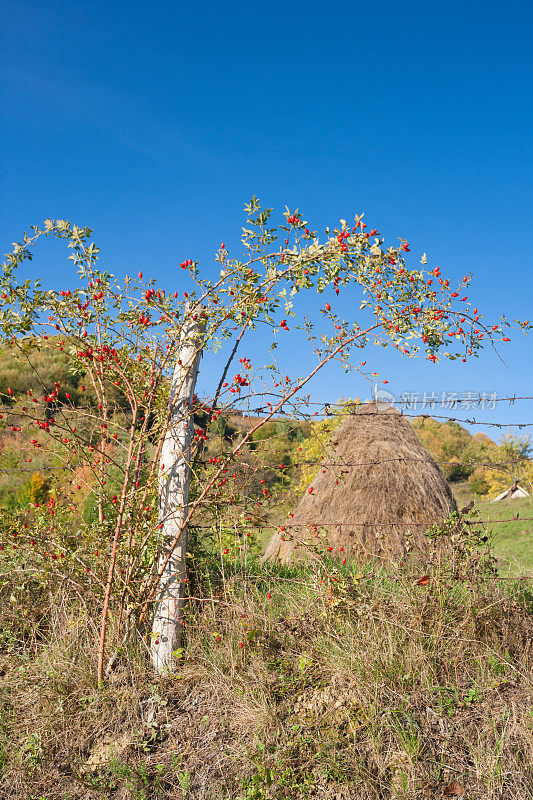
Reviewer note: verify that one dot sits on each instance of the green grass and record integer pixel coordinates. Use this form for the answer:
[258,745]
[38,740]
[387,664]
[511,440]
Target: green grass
[512,538]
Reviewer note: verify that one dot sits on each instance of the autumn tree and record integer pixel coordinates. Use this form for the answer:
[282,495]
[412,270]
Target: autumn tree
[124,339]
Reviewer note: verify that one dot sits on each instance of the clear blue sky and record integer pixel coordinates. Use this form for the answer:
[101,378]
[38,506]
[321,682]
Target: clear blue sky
[154,122]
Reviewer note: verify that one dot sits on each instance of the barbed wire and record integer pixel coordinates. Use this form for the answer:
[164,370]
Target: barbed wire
[283,526]
[372,576]
[4,471]
[480,399]
[338,413]
[308,462]
[396,522]
[399,459]
[329,413]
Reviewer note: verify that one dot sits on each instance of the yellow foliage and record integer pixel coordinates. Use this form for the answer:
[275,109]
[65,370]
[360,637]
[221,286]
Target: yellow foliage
[453,447]
[493,481]
[498,481]
[314,447]
[37,489]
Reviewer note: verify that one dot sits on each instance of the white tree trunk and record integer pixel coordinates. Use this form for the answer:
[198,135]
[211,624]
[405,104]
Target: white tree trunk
[174,481]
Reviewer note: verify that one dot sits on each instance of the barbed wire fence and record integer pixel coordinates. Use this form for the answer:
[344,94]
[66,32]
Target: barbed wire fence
[324,411]
[49,554]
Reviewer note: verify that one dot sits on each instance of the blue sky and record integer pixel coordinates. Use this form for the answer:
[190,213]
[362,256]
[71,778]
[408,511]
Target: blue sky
[154,123]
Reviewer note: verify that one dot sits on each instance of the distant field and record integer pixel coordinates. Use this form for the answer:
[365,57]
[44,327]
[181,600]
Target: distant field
[513,541]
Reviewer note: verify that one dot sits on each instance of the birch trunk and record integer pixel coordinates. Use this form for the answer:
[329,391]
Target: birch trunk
[174,482]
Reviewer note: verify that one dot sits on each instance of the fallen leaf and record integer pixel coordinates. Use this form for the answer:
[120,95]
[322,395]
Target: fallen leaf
[454,789]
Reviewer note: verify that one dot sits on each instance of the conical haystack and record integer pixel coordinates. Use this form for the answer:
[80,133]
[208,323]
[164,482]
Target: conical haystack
[377,492]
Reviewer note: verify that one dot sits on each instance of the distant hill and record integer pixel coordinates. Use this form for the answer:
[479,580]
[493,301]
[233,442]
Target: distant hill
[457,450]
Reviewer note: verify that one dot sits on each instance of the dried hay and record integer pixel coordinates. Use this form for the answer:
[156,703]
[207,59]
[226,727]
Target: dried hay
[382,506]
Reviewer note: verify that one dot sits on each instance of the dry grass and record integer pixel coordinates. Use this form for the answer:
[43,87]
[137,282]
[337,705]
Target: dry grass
[360,687]
[382,506]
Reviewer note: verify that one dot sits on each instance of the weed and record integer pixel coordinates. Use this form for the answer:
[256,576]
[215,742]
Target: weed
[374,704]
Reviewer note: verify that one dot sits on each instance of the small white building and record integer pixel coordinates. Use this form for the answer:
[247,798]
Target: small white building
[515,492]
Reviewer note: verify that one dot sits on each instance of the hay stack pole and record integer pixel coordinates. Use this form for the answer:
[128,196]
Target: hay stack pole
[174,482]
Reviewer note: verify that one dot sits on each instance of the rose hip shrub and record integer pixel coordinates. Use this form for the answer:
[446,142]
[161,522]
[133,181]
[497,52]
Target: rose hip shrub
[100,422]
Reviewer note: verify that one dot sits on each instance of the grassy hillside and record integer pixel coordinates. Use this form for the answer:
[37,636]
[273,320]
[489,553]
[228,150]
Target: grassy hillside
[512,538]
[513,541]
